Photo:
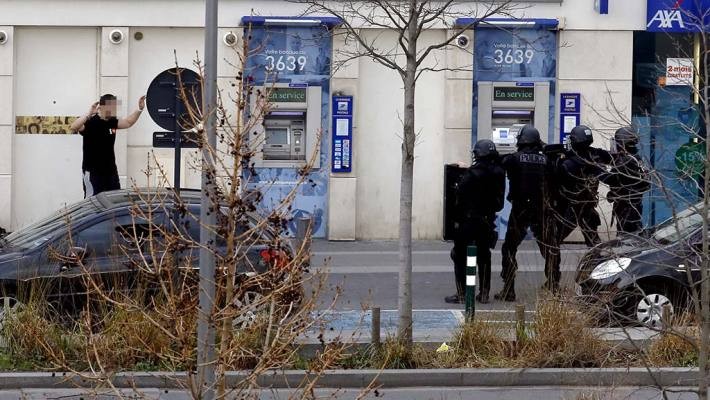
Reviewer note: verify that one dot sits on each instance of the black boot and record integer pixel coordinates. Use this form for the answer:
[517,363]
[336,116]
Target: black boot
[506,294]
[454,299]
[483,297]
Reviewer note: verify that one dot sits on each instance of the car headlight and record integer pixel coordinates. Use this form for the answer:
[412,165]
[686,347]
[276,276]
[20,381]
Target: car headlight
[607,269]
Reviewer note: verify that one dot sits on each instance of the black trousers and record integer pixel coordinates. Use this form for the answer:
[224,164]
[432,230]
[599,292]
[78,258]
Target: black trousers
[95,182]
[539,221]
[628,215]
[587,218]
[582,215]
[479,232]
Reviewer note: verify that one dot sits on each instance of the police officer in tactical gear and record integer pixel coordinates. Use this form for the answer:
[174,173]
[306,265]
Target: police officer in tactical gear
[579,174]
[479,196]
[528,172]
[627,181]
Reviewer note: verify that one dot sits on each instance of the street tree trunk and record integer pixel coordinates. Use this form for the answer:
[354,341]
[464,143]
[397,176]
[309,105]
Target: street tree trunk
[703,353]
[405,219]
[406,189]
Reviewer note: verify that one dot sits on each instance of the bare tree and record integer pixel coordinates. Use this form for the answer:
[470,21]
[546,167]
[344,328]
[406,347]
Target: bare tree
[408,19]
[685,236]
[148,314]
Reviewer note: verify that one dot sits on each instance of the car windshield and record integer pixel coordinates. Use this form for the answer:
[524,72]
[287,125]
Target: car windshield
[684,223]
[43,230]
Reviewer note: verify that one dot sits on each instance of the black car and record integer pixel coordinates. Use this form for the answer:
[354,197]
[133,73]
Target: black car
[631,279]
[105,235]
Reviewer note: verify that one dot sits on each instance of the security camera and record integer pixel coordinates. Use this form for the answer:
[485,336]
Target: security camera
[230,39]
[462,41]
[116,36]
[3,37]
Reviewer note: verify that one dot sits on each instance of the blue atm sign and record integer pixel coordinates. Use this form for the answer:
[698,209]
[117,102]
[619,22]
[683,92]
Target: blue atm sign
[342,144]
[679,16]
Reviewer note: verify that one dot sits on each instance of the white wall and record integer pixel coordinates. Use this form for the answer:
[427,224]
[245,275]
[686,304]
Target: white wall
[599,66]
[56,74]
[7,67]
[577,14]
[377,151]
[154,53]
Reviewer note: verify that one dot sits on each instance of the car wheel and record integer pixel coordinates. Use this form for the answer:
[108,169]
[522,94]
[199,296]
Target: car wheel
[250,305]
[649,309]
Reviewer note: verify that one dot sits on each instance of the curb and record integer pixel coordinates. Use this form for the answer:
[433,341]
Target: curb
[497,377]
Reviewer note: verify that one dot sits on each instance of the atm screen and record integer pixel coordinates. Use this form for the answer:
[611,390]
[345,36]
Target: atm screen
[504,136]
[277,136]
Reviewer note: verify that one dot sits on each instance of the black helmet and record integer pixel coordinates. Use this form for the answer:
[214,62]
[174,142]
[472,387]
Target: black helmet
[484,148]
[528,135]
[626,138]
[581,136]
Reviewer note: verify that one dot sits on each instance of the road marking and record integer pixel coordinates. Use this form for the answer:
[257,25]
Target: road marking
[393,269]
[459,316]
[423,252]
[359,320]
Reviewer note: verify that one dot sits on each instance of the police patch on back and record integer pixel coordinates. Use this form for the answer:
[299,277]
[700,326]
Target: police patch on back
[533,158]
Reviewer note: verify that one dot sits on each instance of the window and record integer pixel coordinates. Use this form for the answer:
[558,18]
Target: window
[667,118]
[109,237]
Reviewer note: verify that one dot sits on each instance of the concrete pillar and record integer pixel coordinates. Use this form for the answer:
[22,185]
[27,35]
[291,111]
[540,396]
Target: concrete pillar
[113,78]
[342,187]
[228,66]
[605,92]
[459,98]
[7,63]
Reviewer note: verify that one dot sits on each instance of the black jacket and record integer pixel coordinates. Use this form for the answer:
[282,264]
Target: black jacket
[527,171]
[580,171]
[627,179]
[481,190]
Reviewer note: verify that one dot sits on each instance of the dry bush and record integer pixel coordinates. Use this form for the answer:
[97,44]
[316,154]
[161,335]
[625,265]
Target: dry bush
[130,338]
[336,354]
[474,345]
[589,396]
[247,344]
[675,349]
[116,338]
[396,354]
[561,337]
[118,332]
[481,345]
[31,337]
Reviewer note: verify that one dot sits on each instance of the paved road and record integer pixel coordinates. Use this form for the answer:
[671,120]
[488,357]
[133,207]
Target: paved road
[367,273]
[487,393]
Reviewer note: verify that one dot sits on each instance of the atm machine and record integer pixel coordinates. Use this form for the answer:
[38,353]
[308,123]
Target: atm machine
[504,107]
[288,135]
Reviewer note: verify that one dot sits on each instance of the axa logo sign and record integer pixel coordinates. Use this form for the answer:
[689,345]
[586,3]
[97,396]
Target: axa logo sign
[666,19]
[675,15]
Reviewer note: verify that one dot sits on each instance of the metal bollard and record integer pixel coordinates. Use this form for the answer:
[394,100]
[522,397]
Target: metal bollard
[471,271]
[666,317]
[375,335]
[519,323]
[303,236]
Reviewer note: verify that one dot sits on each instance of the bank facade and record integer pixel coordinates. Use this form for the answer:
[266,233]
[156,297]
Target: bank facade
[557,63]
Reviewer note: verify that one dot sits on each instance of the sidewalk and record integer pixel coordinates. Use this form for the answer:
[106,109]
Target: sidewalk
[324,245]
[428,256]
[433,327]
[367,273]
